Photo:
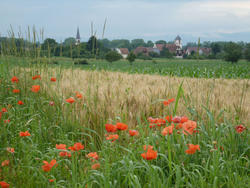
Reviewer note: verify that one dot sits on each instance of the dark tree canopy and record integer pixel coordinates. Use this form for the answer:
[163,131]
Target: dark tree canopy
[247,52]
[233,52]
[49,42]
[137,42]
[161,42]
[215,48]
[165,53]
[92,44]
[69,41]
[150,44]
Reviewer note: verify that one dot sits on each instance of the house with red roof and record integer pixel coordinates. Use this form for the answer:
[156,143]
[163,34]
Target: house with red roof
[123,52]
[202,51]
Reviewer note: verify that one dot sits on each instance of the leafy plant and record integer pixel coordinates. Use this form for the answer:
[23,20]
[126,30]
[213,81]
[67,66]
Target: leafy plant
[112,56]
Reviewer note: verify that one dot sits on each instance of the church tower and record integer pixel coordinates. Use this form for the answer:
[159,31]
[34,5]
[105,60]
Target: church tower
[78,36]
[178,44]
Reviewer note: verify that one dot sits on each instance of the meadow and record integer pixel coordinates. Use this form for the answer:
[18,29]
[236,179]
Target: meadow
[177,67]
[165,67]
[95,125]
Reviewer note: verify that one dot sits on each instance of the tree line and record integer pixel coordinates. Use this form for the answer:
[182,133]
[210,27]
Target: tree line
[95,48]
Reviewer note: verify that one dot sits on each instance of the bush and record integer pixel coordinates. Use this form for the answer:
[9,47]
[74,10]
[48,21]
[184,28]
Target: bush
[81,62]
[131,57]
[233,52]
[143,57]
[54,62]
[112,56]
[154,54]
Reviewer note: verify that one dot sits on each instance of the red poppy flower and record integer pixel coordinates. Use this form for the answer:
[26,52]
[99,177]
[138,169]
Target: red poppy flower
[133,133]
[64,154]
[26,133]
[159,122]
[36,77]
[47,166]
[16,90]
[53,79]
[20,102]
[179,126]
[150,154]
[4,184]
[11,150]
[176,119]
[151,125]
[184,119]
[156,121]
[192,148]
[35,88]
[61,146]
[14,79]
[112,137]
[168,130]
[96,166]
[77,146]
[169,101]
[189,127]
[110,128]
[70,100]
[169,118]
[147,147]
[93,156]
[51,180]
[4,110]
[151,120]
[51,103]
[6,121]
[240,128]
[78,95]
[6,163]
[121,126]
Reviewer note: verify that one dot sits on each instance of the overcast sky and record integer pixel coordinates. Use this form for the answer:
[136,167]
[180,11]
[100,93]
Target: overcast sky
[214,20]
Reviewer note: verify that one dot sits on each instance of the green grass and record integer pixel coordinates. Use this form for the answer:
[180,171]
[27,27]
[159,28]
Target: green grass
[166,67]
[173,67]
[121,161]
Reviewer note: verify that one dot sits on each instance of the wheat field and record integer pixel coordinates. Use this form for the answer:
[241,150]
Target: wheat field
[133,96]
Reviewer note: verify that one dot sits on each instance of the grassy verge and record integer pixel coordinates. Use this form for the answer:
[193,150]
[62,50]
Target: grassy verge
[165,67]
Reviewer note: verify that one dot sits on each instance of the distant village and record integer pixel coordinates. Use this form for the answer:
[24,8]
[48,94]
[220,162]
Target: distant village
[176,49]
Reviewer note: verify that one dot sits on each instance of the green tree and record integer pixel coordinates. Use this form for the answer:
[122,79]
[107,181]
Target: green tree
[215,48]
[247,52]
[131,57]
[161,42]
[166,53]
[233,52]
[49,46]
[137,42]
[49,42]
[106,43]
[69,41]
[150,44]
[92,45]
[112,56]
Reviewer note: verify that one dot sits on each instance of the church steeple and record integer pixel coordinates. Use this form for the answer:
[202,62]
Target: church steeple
[78,36]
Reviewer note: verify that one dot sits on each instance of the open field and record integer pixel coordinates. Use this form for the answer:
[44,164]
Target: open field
[214,108]
[165,67]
